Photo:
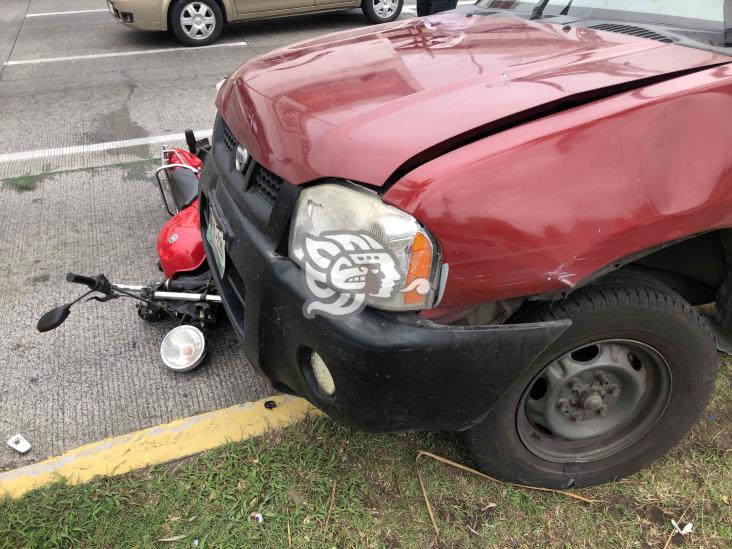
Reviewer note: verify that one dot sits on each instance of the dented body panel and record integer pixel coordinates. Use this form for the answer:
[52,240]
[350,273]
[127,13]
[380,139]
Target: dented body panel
[541,207]
[536,154]
[358,105]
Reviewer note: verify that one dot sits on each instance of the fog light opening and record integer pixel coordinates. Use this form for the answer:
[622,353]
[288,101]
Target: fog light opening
[183,348]
[322,374]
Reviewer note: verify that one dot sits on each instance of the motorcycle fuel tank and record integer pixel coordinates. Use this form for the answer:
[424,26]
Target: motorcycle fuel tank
[180,248]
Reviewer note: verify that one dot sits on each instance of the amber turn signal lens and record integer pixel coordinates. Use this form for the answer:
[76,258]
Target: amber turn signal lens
[420,266]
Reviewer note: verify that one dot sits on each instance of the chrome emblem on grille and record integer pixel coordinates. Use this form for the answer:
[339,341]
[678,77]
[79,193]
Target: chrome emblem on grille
[241,159]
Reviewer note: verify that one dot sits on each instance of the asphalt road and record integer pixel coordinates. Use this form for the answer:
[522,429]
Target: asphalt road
[77,144]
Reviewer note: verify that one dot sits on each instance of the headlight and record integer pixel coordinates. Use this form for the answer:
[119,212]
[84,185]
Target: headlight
[365,246]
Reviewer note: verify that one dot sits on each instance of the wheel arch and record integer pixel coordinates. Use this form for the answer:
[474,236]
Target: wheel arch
[228,8]
[696,267]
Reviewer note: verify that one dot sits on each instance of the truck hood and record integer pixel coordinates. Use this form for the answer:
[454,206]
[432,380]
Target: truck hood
[362,105]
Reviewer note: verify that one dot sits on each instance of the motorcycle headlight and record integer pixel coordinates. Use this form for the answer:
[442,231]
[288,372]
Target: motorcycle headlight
[359,231]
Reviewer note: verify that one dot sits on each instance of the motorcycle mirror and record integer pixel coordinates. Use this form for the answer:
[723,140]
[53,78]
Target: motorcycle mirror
[54,318]
[191,141]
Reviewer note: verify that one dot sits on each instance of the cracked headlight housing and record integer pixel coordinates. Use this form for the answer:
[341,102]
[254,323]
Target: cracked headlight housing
[345,214]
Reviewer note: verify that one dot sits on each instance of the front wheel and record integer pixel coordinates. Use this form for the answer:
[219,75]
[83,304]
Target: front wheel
[382,11]
[196,23]
[616,391]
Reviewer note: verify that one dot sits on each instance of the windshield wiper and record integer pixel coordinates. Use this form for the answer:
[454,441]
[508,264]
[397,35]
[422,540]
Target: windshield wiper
[538,9]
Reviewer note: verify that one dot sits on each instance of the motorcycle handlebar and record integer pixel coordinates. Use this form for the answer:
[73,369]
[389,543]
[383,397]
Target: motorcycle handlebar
[92,282]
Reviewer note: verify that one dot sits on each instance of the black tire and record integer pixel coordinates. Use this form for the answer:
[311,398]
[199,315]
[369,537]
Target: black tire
[369,8]
[183,34]
[618,309]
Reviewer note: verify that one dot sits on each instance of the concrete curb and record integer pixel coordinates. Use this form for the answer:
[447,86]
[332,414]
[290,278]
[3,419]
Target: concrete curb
[161,444]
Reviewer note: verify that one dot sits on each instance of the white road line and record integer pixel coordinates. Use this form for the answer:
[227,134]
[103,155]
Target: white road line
[119,54]
[96,147]
[63,12]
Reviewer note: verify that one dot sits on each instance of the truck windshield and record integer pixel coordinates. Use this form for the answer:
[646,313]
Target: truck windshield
[661,10]
[707,16]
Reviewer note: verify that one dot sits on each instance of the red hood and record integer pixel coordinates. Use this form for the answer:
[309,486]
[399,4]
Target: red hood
[358,104]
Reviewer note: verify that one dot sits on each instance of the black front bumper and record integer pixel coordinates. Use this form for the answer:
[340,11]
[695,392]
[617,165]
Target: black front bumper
[392,372]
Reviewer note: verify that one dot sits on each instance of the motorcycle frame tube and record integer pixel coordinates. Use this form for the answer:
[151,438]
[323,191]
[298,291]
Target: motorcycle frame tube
[172,296]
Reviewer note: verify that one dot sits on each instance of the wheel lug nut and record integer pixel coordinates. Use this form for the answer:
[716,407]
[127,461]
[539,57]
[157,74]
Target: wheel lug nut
[602,378]
[614,390]
[577,417]
[574,385]
[603,410]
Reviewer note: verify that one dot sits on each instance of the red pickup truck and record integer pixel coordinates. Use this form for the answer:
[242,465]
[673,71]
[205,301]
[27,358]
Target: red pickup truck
[497,221]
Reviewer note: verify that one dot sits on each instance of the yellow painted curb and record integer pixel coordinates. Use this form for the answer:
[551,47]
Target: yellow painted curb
[164,443]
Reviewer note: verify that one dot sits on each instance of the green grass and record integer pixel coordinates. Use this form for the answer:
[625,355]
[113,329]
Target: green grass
[288,477]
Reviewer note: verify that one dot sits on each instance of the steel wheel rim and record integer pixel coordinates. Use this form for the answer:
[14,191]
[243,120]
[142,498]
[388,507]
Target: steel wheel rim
[197,20]
[594,401]
[385,8]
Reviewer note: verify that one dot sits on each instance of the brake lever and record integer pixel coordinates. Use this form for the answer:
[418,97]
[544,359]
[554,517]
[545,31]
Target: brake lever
[107,297]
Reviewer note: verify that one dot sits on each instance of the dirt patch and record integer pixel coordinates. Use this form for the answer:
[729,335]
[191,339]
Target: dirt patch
[25,183]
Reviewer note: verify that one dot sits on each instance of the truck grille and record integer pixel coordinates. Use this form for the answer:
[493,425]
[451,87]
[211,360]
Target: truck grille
[229,139]
[258,180]
[266,184]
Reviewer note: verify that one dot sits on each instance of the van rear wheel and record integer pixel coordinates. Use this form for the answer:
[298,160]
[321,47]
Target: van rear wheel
[615,392]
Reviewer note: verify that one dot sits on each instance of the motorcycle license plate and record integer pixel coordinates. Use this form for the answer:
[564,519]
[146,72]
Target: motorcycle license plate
[215,237]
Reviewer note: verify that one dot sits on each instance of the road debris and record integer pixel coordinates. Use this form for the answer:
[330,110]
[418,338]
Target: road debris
[332,501]
[172,539]
[675,524]
[19,443]
[688,527]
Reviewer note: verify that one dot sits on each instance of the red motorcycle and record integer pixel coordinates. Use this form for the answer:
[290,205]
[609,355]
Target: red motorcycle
[187,293]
